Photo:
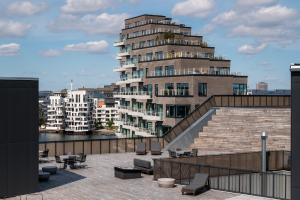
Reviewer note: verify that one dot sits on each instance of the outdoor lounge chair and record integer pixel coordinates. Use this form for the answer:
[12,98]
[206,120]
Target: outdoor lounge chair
[200,183]
[155,148]
[172,154]
[141,149]
[81,160]
[143,165]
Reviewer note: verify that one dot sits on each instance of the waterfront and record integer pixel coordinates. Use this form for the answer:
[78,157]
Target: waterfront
[51,137]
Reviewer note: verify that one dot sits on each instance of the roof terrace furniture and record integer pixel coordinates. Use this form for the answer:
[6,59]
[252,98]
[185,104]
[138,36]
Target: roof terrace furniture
[50,169]
[194,152]
[44,176]
[60,162]
[141,149]
[166,182]
[127,173]
[172,154]
[143,165]
[155,148]
[200,183]
[81,159]
[45,153]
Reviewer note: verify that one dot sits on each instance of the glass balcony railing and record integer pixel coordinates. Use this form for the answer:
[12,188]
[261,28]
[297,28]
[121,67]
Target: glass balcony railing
[191,71]
[171,55]
[169,42]
[175,92]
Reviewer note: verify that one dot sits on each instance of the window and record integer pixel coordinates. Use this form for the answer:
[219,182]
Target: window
[159,55]
[177,111]
[170,111]
[182,89]
[149,56]
[169,70]
[169,89]
[156,89]
[202,89]
[239,89]
[142,44]
[158,71]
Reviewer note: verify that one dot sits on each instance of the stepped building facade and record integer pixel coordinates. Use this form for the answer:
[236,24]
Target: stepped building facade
[165,72]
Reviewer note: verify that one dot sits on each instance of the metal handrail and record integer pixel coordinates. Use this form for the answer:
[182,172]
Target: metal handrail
[246,101]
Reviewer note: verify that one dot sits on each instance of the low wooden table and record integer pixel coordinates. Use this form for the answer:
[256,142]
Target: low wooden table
[127,173]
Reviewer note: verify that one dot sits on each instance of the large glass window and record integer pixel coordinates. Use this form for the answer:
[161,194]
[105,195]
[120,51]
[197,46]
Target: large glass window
[169,70]
[159,55]
[202,89]
[149,56]
[177,111]
[182,89]
[156,89]
[239,89]
[158,71]
[169,89]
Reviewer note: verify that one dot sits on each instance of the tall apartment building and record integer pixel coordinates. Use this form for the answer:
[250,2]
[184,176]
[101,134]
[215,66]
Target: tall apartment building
[56,112]
[79,111]
[165,72]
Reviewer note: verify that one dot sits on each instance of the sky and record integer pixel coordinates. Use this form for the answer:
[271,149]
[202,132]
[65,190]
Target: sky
[62,40]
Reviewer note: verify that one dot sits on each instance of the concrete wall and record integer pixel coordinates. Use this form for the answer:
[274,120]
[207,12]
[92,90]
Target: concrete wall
[18,137]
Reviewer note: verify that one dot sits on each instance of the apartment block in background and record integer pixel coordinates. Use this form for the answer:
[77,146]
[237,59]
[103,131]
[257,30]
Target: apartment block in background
[104,113]
[165,72]
[262,86]
[79,111]
[56,112]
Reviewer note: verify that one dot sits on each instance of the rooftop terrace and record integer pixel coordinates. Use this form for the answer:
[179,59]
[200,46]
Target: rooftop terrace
[97,181]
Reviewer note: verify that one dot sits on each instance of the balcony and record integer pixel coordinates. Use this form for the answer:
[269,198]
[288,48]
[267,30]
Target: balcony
[174,93]
[145,114]
[224,71]
[143,95]
[118,44]
[124,67]
[129,80]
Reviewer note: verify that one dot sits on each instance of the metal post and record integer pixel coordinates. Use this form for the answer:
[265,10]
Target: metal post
[264,151]
[264,163]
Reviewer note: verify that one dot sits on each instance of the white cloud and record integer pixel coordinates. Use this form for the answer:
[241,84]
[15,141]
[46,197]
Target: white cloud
[248,3]
[273,15]
[90,47]
[93,24]
[84,6]
[195,8]
[250,49]
[10,49]
[25,8]
[225,18]
[263,24]
[51,53]
[9,28]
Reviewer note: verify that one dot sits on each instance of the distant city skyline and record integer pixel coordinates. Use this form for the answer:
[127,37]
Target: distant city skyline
[59,41]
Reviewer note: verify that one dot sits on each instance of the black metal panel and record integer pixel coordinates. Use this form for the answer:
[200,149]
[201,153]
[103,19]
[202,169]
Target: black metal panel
[18,136]
[295,135]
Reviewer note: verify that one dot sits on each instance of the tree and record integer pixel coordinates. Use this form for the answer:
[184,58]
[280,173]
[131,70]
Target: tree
[42,116]
[110,124]
[98,124]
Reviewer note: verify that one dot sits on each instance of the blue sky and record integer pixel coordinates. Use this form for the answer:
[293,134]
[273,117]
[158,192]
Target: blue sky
[63,40]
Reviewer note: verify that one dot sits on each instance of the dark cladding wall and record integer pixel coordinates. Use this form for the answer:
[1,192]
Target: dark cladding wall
[295,135]
[18,136]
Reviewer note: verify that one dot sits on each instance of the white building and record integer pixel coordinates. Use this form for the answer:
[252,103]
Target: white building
[79,111]
[55,112]
[104,114]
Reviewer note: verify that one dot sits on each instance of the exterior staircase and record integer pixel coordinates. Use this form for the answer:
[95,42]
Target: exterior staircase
[233,130]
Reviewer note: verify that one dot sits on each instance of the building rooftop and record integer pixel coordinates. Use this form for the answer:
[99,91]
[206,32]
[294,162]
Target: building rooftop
[97,181]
